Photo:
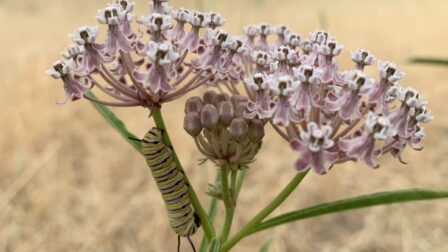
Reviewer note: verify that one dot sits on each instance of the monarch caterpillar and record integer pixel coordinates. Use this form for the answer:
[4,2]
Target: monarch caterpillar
[171,183]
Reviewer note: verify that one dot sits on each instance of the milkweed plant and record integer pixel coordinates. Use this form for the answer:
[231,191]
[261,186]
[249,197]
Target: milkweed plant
[267,77]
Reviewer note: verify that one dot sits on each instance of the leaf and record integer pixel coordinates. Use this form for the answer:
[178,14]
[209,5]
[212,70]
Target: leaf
[266,246]
[430,61]
[375,199]
[118,125]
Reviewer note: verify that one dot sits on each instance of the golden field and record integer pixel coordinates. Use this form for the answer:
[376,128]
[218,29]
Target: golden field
[68,182]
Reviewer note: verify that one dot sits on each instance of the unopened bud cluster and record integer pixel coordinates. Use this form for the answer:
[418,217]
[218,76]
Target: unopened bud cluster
[221,132]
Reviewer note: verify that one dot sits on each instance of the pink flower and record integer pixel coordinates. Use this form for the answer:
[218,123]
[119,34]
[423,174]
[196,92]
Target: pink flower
[91,53]
[362,145]
[283,111]
[261,108]
[313,147]
[362,58]
[379,93]
[191,40]
[302,98]
[182,16]
[157,25]
[211,58]
[282,32]
[346,102]
[264,31]
[157,77]
[73,88]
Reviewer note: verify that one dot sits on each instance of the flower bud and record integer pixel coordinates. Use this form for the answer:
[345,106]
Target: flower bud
[193,104]
[239,129]
[209,116]
[256,130]
[237,99]
[192,123]
[221,97]
[209,97]
[226,113]
[240,109]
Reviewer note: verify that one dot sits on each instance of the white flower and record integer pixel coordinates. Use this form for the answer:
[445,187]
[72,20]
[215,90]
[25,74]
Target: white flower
[72,51]
[60,69]
[293,39]
[182,15]
[156,22]
[421,114]
[126,6]
[379,126]
[358,81]
[112,15]
[234,44]
[318,139]
[330,48]
[283,85]
[362,57]
[389,71]
[215,19]
[84,35]
[319,37]
[200,20]
[161,53]
[308,74]
[265,29]
[306,46]
[257,81]
[261,58]
[251,31]
[281,30]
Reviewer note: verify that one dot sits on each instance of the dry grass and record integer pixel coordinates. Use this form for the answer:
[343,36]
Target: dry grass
[69,183]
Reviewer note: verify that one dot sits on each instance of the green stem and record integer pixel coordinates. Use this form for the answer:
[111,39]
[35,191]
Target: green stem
[230,206]
[233,177]
[212,210]
[205,221]
[281,197]
[239,181]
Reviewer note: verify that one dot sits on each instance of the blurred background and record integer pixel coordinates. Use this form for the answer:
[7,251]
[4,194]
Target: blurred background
[68,182]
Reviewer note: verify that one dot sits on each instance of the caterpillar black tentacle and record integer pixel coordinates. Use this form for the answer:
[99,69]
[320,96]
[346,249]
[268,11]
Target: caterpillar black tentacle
[172,185]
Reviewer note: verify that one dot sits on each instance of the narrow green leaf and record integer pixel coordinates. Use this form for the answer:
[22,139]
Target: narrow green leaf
[375,199]
[118,125]
[430,61]
[266,246]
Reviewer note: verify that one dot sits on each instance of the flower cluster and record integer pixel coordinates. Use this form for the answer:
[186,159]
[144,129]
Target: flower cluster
[329,116]
[221,131]
[148,69]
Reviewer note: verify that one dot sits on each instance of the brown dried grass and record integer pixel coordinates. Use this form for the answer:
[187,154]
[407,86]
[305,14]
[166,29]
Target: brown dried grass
[68,182]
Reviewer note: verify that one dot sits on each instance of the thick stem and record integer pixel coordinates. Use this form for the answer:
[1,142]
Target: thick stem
[230,206]
[209,230]
[281,197]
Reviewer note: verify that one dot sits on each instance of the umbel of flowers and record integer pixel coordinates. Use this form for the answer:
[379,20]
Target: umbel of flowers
[326,115]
